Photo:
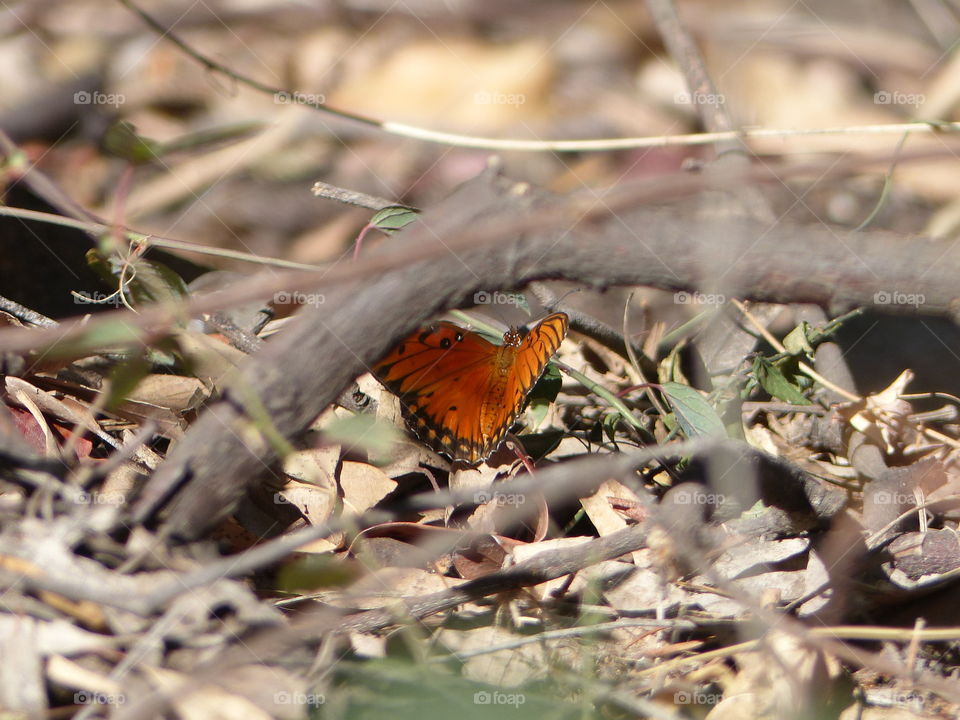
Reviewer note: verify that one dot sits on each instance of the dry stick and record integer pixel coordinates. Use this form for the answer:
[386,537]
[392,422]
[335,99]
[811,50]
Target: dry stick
[571,212]
[545,566]
[723,344]
[301,371]
[350,197]
[26,314]
[578,631]
[96,229]
[561,482]
[703,93]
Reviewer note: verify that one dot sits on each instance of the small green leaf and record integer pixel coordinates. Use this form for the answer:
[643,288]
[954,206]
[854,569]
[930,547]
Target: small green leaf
[155,282]
[392,218]
[772,379]
[203,139]
[694,414]
[609,421]
[311,571]
[121,140]
[362,432]
[144,280]
[543,395]
[797,341]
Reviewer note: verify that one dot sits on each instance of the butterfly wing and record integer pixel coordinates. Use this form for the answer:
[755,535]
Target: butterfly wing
[439,373]
[529,354]
[461,393]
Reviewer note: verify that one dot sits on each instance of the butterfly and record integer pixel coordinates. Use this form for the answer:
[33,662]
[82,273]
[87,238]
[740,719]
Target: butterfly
[461,393]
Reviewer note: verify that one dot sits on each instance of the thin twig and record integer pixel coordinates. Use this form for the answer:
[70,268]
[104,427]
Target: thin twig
[26,314]
[96,229]
[349,197]
[486,143]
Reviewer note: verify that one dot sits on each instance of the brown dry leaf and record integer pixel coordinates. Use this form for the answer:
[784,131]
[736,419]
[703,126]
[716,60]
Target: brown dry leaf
[67,410]
[645,589]
[316,503]
[173,392]
[386,586]
[507,668]
[479,478]
[210,360]
[315,466]
[461,84]
[210,702]
[598,508]
[363,486]
[883,417]
[752,566]
[782,685]
[366,645]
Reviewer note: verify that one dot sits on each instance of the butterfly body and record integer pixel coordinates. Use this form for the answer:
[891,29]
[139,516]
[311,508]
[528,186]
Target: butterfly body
[459,392]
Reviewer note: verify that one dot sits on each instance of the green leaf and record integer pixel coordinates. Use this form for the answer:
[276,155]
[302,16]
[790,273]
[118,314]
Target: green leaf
[609,422]
[364,432]
[155,282]
[392,218]
[543,394]
[311,571]
[203,139]
[98,338]
[797,341]
[772,379]
[144,280]
[121,140]
[694,414]
[125,377]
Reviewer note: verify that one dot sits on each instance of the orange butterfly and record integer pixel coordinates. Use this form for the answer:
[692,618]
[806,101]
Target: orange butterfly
[459,392]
